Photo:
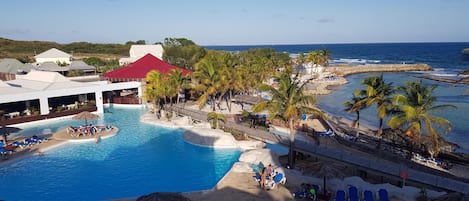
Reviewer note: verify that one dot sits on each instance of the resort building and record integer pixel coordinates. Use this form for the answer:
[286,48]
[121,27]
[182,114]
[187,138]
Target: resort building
[138,51]
[137,71]
[54,55]
[42,95]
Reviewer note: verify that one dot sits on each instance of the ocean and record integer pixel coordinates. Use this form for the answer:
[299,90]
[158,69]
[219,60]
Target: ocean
[446,59]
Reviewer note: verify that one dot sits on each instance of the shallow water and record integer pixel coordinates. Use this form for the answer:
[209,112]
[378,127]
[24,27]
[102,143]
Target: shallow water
[140,159]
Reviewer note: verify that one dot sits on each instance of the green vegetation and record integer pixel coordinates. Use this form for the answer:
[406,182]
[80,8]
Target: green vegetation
[409,108]
[377,92]
[25,50]
[182,52]
[415,104]
[288,103]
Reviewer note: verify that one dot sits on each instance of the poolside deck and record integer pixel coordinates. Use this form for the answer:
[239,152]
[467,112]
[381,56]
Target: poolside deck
[62,135]
[54,139]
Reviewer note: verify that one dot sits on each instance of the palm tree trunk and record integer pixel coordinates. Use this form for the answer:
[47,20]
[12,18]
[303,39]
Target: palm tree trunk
[358,119]
[292,144]
[228,104]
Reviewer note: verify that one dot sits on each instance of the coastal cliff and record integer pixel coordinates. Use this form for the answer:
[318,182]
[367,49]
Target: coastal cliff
[348,70]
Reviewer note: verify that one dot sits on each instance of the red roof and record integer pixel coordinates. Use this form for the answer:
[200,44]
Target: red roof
[139,69]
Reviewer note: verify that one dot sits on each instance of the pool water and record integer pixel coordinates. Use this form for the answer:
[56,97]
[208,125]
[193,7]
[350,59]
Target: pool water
[140,159]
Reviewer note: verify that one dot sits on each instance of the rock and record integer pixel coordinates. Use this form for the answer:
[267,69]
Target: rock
[163,197]
[210,137]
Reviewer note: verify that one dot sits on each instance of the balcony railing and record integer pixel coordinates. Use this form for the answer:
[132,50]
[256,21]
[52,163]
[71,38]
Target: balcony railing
[53,114]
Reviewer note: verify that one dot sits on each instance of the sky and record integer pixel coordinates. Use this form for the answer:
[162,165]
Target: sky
[236,22]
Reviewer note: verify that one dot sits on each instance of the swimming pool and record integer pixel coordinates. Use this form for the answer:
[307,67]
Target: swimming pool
[140,159]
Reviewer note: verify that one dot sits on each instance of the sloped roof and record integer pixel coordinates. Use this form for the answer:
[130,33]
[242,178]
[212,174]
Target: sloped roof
[6,89]
[13,66]
[43,80]
[53,53]
[139,69]
[52,66]
[81,65]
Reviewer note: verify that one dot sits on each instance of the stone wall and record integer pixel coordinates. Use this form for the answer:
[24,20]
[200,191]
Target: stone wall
[348,70]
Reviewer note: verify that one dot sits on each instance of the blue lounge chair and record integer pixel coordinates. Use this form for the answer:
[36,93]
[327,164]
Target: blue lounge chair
[19,144]
[3,151]
[353,193]
[278,178]
[368,196]
[383,195]
[39,139]
[340,195]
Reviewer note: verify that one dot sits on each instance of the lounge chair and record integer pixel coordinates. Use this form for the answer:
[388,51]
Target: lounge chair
[278,178]
[39,139]
[353,193]
[327,133]
[3,151]
[383,195]
[20,144]
[368,196]
[340,195]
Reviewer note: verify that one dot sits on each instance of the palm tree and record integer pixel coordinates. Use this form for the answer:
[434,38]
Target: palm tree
[377,92]
[415,103]
[355,105]
[300,60]
[207,82]
[215,117]
[154,87]
[179,81]
[287,104]
[326,56]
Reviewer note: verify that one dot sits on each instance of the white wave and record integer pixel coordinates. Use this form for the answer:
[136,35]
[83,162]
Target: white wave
[355,61]
[445,74]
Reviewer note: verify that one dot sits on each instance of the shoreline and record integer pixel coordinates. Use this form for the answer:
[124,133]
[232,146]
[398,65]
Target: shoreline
[323,86]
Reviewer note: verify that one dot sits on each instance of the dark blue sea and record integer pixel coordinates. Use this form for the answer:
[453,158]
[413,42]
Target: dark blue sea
[446,59]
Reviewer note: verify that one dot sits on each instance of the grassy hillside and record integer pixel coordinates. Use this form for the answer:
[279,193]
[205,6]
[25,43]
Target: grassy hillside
[27,49]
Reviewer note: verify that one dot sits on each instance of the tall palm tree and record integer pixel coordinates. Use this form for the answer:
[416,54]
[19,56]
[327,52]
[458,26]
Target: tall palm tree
[356,104]
[179,81]
[377,92]
[207,82]
[415,103]
[287,104]
[325,56]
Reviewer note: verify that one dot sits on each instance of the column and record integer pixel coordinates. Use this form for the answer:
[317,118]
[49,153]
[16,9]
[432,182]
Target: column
[99,101]
[44,105]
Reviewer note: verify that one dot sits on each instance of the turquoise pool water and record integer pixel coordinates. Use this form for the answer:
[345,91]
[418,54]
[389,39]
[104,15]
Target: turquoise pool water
[140,159]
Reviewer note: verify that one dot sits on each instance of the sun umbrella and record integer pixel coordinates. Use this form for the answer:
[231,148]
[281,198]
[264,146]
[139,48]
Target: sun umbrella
[6,130]
[327,170]
[85,115]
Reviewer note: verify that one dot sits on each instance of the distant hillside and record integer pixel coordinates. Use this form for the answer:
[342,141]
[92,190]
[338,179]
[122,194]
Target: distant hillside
[24,49]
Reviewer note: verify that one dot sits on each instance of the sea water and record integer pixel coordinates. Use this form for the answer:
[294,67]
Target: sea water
[446,59]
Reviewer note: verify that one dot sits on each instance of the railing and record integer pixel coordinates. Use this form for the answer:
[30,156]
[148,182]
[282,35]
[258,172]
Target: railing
[125,100]
[30,118]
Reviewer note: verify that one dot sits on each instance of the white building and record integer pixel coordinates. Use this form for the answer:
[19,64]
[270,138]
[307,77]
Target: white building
[41,87]
[138,51]
[54,55]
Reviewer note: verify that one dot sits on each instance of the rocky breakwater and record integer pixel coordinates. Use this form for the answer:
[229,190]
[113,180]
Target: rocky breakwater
[349,70]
